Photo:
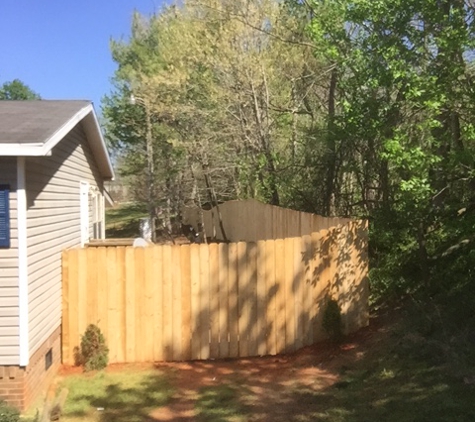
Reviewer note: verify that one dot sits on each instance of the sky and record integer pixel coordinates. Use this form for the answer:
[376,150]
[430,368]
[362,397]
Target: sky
[60,48]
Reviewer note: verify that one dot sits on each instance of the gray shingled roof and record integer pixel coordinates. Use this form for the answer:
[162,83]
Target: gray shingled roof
[33,128]
[34,122]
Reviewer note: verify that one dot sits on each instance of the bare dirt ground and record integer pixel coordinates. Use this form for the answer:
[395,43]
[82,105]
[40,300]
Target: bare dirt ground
[277,386]
[272,388]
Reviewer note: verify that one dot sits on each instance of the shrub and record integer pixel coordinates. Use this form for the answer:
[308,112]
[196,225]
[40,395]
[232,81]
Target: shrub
[94,354]
[8,413]
[332,320]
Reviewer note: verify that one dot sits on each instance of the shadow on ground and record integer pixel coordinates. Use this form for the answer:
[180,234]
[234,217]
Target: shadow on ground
[382,373]
[116,397]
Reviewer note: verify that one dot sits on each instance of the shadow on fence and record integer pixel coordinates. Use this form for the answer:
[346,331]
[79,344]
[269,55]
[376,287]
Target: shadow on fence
[222,300]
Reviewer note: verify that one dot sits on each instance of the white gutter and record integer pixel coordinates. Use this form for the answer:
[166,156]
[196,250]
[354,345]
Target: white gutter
[22,262]
[27,150]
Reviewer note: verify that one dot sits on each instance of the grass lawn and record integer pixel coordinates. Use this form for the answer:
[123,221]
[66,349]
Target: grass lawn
[220,403]
[124,221]
[388,372]
[124,396]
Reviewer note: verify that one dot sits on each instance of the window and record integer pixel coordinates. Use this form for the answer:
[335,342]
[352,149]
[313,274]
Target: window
[48,359]
[97,214]
[4,216]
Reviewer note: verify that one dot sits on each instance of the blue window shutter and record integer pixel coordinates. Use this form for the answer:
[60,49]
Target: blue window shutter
[4,216]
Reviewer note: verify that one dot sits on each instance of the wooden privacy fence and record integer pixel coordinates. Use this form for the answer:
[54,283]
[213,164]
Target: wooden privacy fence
[214,301]
[250,220]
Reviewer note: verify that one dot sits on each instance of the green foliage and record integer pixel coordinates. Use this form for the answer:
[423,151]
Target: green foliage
[94,352]
[332,320]
[224,106]
[405,106]
[17,90]
[361,109]
[8,413]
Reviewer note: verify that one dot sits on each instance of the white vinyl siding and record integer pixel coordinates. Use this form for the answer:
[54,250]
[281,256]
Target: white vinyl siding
[53,218]
[9,309]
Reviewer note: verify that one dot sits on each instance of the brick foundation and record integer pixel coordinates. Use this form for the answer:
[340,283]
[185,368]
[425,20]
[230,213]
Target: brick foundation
[20,386]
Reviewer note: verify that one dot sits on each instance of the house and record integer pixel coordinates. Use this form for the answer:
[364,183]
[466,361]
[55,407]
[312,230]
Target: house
[53,164]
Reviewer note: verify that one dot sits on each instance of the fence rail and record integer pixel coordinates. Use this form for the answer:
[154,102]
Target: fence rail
[214,301]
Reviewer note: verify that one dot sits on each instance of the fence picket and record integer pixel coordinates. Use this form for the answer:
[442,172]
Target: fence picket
[204,312]
[102,294]
[244,313]
[298,292]
[113,326]
[214,299]
[271,299]
[91,291]
[233,288]
[83,316]
[307,268]
[261,285]
[148,305]
[130,345]
[289,280]
[195,301]
[223,301]
[158,345]
[251,265]
[280,295]
[121,311]
[140,318]
[176,325]
[186,328]
[167,302]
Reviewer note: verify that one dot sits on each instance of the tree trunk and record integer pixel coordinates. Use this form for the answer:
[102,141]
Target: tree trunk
[423,259]
[330,159]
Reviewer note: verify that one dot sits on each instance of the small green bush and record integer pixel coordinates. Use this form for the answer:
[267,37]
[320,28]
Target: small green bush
[332,320]
[8,413]
[94,353]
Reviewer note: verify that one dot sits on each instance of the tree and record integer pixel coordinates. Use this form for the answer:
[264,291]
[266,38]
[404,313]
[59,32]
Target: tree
[356,108]
[17,90]
[211,74]
[138,131]
[401,144]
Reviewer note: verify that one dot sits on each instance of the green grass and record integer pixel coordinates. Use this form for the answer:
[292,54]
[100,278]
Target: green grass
[394,389]
[413,373]
[124,221]
[115,397]
[220,404]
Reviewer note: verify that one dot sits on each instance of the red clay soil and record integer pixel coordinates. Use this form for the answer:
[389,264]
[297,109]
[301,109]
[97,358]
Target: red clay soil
[269,381]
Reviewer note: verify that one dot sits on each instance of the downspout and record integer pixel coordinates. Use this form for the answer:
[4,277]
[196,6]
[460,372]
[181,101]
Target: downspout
[22,262]
[103,213]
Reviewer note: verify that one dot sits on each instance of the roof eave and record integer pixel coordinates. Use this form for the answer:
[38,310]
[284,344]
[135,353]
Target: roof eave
[93,134]
[98,144]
